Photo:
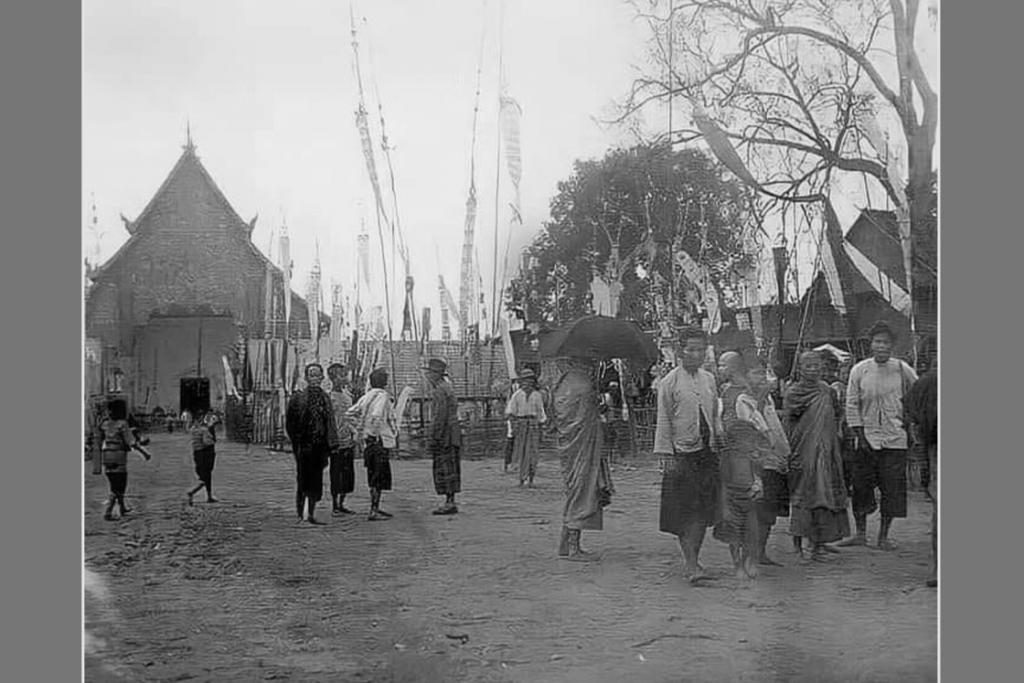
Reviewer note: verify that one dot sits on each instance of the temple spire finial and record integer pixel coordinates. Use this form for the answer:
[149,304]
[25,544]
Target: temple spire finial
[189,145]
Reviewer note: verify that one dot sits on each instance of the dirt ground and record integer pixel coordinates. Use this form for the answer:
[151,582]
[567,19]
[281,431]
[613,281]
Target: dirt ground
[238,591]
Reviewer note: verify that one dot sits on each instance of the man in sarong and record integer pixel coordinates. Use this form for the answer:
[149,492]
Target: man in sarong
[526,412]
[586,474]
[686,437]
[444,436]
[817,492]
[874,411]
[342,470]
[376,428]
[309,422]
[923,414]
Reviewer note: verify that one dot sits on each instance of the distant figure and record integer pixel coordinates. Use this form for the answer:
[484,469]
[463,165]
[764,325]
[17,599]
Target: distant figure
[204,440]
[923,413]
[509,430]
[874,411]
[115,438]
[444,436]
[686,438]
[309,422]
[817,493]
[342,471]
[525,410]
[376,427]
[587,476]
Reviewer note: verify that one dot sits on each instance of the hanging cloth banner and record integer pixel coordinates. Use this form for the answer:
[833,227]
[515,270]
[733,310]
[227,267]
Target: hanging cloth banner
[364,258]
[466,273]
[371,163]
[313,305]
[268,291]
[407,312]
[509,114]
[883,284]
[832,253]
[721,146]
[284,253]
[448,301]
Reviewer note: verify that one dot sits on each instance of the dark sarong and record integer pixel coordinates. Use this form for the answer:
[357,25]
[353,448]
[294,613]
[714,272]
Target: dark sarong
[447,469]
[343,473]
[118,482]
[309,470]
[885,469]
[690,491]
[776,497]
[526,447]
[204,459]
[377,461]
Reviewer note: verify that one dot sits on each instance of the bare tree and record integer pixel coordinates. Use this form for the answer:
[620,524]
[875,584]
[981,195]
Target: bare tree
[798,87]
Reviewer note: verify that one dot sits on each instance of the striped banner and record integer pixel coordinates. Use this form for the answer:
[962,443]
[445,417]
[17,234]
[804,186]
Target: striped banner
[883,284]
[509,114]
[721,146]
[284,254]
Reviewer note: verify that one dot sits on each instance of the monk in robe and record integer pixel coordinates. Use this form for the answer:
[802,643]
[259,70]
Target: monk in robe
[586,473]
[817,490]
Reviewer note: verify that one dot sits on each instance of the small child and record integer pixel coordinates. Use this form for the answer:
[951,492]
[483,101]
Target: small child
[116,437]
[204,454]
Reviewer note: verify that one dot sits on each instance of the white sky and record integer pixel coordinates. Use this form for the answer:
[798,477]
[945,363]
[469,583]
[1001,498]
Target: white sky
[270,93]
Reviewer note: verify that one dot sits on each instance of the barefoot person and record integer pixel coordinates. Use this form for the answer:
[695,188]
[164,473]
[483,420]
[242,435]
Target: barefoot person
[817,493]
[376,427]
[740,470]
[586,474]
[115,438]
[309,422]
[444,436]
[685,437]
[342,468]
[874,411]
[755,405]
[204,454]
[923,412]
[526,412]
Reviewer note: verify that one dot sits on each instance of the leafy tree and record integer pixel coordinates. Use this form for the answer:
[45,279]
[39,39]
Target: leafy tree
[624,216]
[802,89]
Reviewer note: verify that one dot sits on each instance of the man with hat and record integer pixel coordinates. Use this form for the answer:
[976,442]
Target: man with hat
[526,411]
[874,412]
[444,435]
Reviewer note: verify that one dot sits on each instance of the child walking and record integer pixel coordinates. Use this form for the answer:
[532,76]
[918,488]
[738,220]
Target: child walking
[204,440]
[116,437]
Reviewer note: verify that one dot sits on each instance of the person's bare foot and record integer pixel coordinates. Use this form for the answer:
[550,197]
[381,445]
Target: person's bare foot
[768,562]
[384,513]
[886,544]
[375,516]
[830,549]
[855,540]
[211,499]
[345,511]
[581,556]
[315,521]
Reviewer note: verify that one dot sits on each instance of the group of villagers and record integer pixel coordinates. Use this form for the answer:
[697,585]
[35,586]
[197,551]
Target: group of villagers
[731,461]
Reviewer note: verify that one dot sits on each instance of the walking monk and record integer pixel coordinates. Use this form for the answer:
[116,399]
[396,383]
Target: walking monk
[587,476]
[526,411]
[817,492]
[444,438]
[686,437]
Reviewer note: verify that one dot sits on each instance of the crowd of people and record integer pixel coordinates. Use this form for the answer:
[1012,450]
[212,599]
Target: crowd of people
[733,461]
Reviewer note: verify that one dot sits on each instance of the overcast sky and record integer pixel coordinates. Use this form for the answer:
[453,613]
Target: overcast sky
[269,91]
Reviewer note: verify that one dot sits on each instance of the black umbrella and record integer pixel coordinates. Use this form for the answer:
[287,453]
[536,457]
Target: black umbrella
[601,338]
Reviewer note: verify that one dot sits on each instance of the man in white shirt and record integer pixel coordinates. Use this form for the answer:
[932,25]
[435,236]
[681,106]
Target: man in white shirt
[874,412]
[686,439]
